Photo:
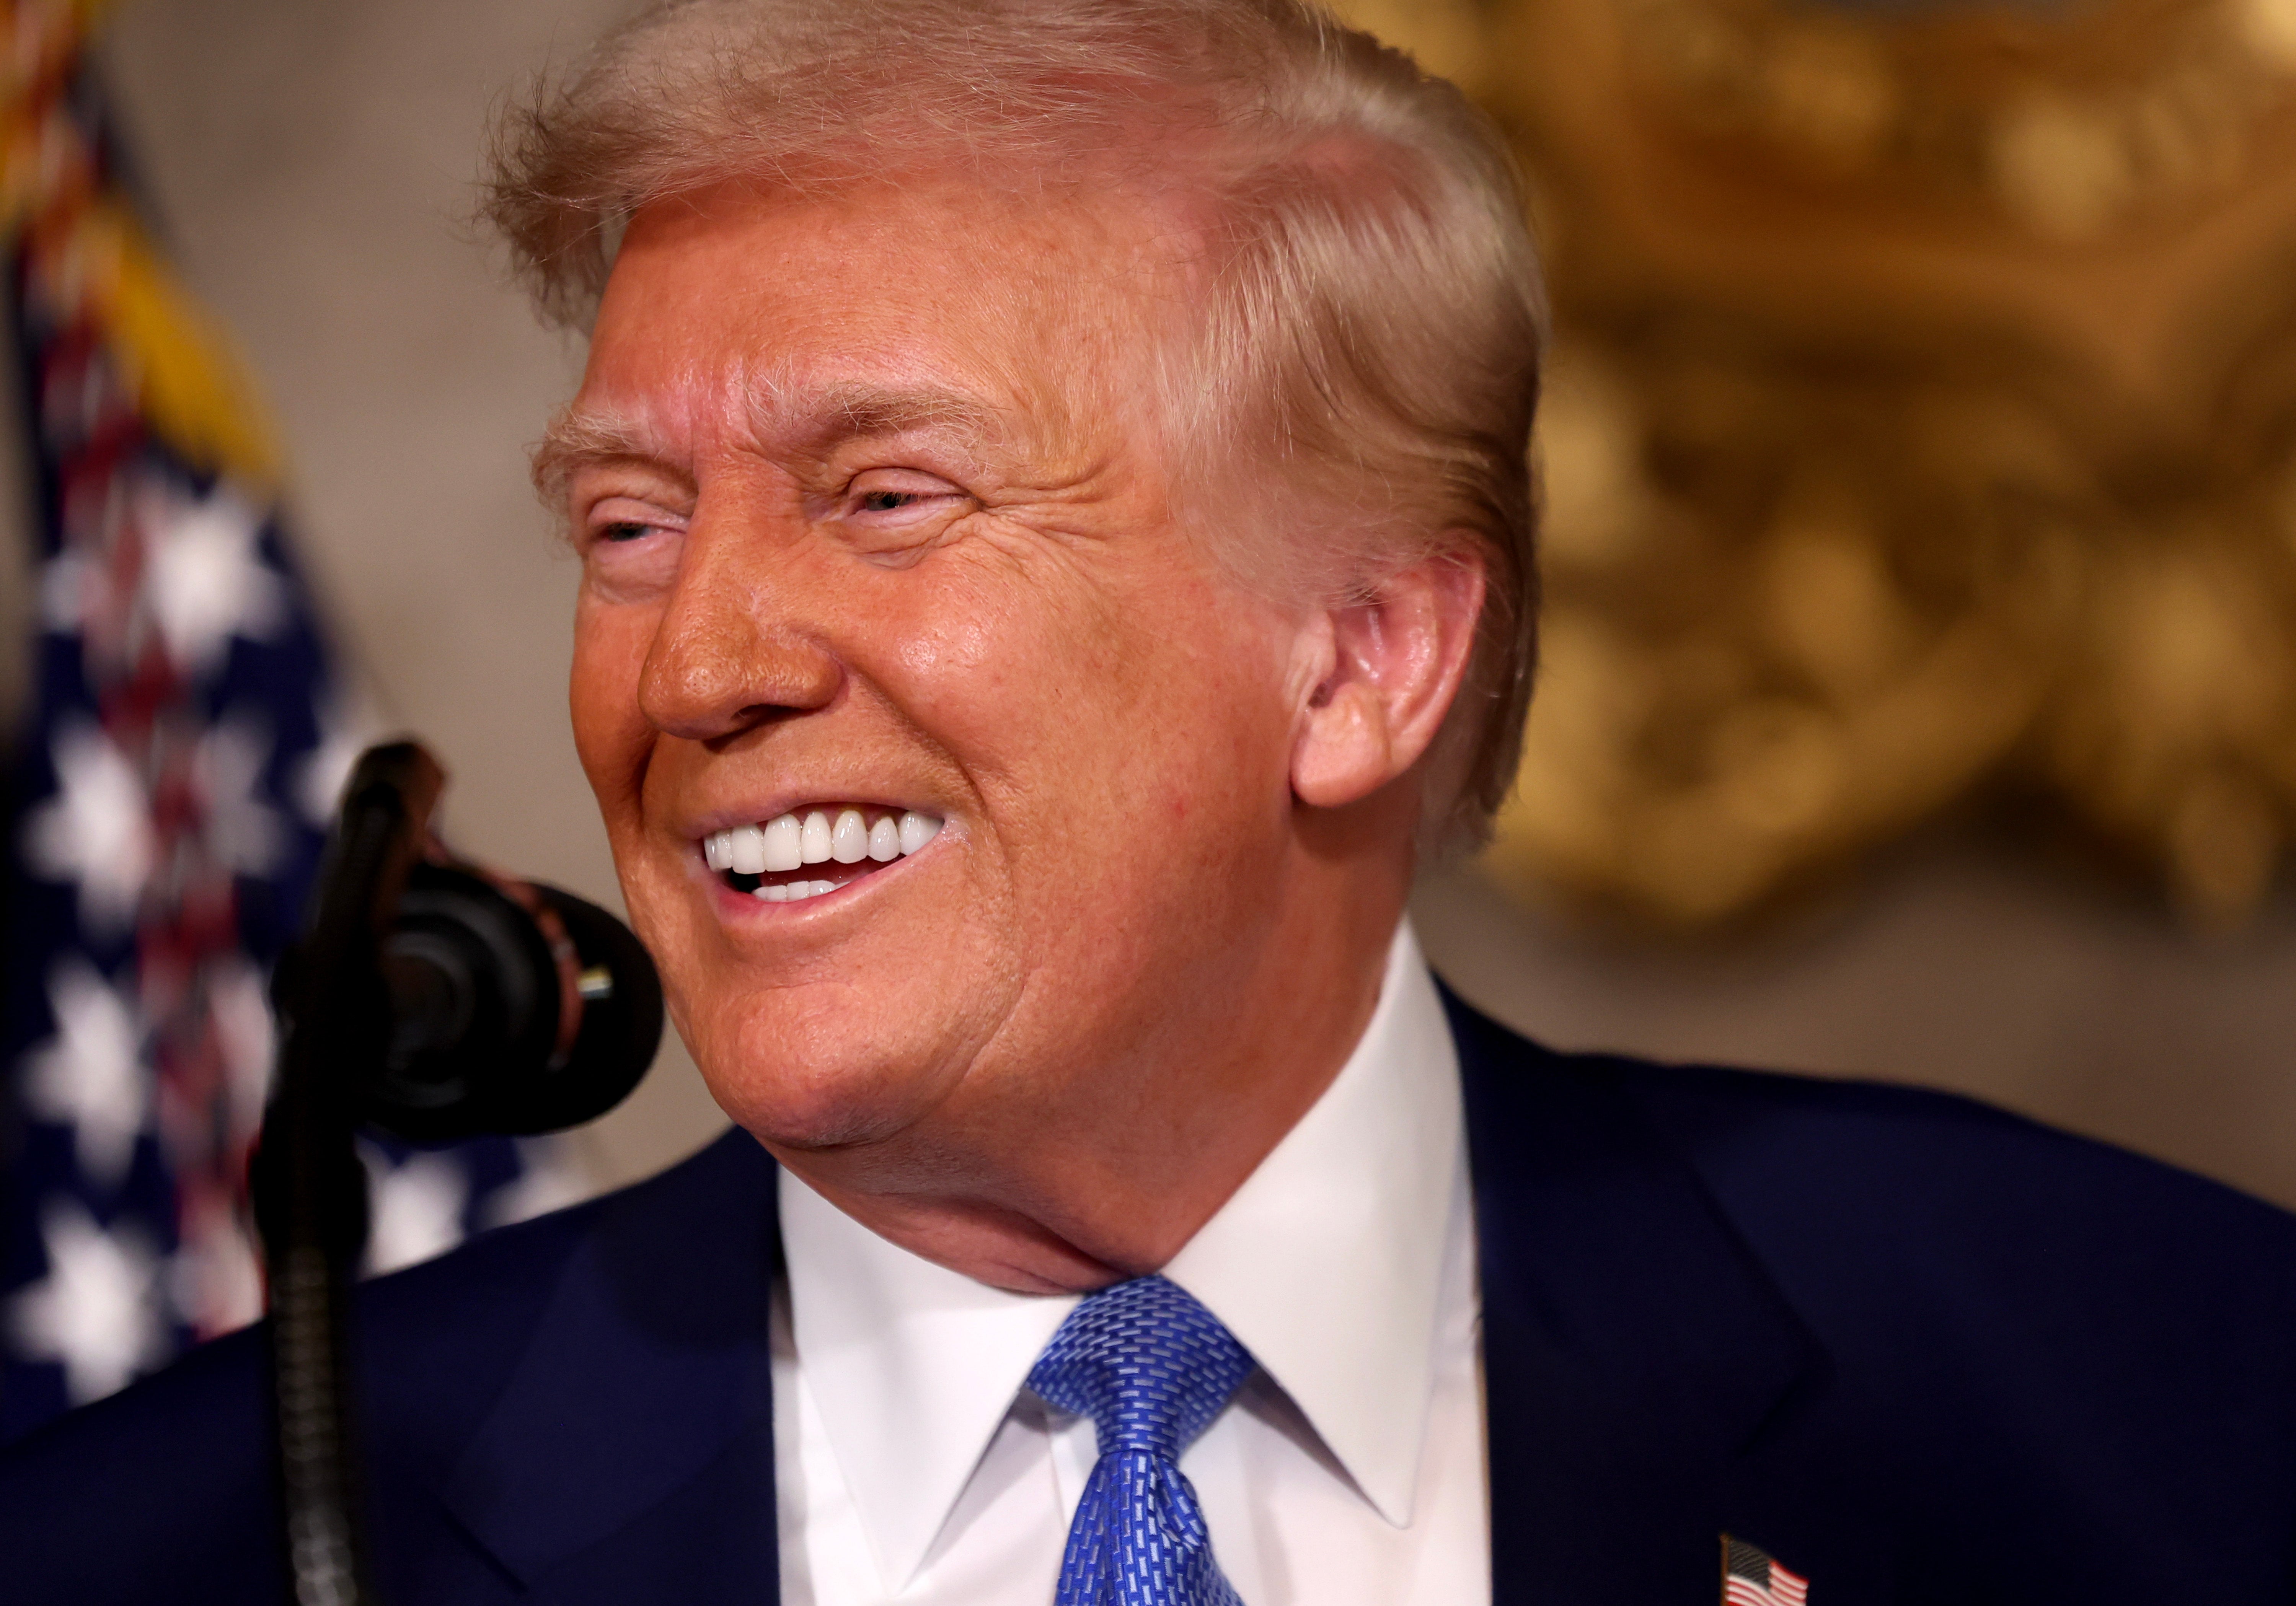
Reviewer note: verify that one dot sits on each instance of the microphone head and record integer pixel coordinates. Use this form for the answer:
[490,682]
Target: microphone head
[515,1008]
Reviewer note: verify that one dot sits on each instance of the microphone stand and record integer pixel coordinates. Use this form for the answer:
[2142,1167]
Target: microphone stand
[310,1189]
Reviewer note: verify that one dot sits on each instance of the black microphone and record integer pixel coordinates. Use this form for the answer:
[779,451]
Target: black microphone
[514,1008]
[436,1000]
[489,1005]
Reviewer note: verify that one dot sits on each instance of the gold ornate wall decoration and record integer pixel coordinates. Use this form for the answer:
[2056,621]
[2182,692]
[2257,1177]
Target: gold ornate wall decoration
[1922,423]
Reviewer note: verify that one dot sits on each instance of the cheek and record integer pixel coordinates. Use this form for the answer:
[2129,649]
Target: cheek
[611,734]
[1166,728]
[1208,770]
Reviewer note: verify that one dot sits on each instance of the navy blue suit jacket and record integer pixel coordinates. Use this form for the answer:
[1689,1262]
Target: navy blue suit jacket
[1920,1350]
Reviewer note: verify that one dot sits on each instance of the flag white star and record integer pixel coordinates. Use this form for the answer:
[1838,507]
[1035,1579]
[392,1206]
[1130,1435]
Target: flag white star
[243,833]
[547,1180]
[97,829]
[90,1076]
[97,1311]
[204,577]
[417,1209]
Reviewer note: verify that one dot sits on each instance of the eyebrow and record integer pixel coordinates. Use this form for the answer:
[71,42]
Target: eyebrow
[580,436]
[862,410]
[816,418]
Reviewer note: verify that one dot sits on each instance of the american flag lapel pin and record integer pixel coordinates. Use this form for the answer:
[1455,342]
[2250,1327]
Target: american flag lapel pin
[1751,1578]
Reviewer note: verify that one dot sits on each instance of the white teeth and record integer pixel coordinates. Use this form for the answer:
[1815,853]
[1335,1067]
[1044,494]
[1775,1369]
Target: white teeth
[784,848]
[815,841]
[788,841]
[884,841]
[794,891]
[745,850]
[916,831]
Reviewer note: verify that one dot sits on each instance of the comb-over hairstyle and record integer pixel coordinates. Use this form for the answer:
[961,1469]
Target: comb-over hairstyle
[1366,327]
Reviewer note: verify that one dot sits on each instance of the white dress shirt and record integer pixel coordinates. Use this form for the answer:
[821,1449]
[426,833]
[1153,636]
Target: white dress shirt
[914,1464]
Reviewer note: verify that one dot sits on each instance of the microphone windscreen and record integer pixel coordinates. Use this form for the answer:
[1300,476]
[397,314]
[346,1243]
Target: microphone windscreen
[515,1008]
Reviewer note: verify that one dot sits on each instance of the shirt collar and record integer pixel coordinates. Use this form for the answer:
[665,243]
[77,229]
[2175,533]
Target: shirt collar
[1326,1264]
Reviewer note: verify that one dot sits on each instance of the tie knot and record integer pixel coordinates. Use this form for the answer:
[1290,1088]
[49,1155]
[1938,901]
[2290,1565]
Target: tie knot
[1148,1365]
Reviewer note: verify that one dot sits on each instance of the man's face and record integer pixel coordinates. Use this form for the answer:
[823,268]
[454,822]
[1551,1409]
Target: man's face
[874,516]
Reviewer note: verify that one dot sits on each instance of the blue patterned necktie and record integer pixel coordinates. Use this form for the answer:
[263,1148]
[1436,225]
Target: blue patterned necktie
[1151,1368]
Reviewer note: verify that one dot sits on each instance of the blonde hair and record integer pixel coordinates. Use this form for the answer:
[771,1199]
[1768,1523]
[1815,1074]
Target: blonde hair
[1371,319]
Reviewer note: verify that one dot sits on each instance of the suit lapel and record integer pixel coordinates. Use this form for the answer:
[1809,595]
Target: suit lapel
[1632,1347]
[1632,1350]
[632,1446]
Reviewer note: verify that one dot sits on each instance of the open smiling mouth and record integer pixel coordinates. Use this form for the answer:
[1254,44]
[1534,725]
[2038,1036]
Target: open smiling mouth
[801,856]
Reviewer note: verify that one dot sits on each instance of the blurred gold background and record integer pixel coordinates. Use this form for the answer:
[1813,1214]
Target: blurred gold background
[1920,627]
[1921,429]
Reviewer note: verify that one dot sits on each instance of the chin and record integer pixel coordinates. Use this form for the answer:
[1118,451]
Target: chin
[797,1081]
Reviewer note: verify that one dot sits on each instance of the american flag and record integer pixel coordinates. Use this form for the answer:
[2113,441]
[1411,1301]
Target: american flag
[1750,1578]
[167,798]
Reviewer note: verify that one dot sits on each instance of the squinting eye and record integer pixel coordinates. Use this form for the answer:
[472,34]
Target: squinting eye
[624,530]
[888,502]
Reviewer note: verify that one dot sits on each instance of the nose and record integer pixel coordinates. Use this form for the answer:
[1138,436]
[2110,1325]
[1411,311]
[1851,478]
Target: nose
[730,651]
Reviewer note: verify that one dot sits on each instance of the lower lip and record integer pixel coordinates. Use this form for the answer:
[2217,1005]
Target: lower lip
[751,904]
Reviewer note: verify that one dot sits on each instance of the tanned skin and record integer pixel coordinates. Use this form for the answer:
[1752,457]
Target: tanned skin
[873,507]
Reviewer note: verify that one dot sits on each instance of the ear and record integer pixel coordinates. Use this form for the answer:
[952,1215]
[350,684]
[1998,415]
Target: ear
[1379,673]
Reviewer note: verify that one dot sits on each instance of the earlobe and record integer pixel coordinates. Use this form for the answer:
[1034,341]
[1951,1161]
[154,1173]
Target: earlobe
[1386,670]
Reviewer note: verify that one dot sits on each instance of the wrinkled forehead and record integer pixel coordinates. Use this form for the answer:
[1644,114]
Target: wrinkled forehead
[880,309]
